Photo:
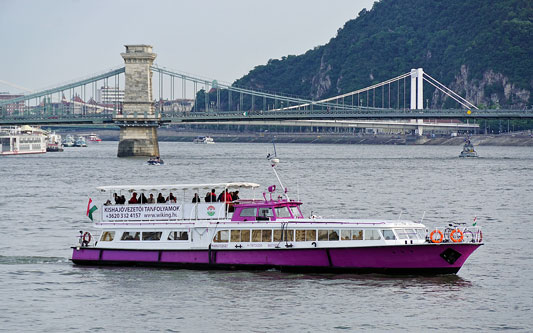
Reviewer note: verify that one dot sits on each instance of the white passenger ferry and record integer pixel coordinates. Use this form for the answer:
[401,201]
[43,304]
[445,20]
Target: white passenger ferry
[15,140]
[226,232]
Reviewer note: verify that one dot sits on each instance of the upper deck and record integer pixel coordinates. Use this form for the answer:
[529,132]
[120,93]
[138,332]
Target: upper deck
[158,204]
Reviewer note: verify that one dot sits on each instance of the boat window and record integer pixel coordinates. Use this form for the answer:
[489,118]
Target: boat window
[357,234]
[222,236]
[266,235]
[247,212]
[346,234]
[131,235]
[151,235]
[107,236]
[322,235]
[265,212]
[245,236]
[296,212]
[300,235]
[283,212]
[402,234]
[235,236]
[277,235]
[256,235]
[289,235]
[411,233]
[421,233]
[372,235]
[178,235]
[310,235]
[333,235]
[388,234]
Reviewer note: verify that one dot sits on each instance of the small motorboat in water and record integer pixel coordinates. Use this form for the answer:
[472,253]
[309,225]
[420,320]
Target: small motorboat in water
[94,138]
[155,161]
[204,139]
[468,149]
[80,142]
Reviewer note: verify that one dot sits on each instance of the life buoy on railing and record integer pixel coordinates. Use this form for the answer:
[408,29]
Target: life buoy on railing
[459,239]
[441,236]
[87,238]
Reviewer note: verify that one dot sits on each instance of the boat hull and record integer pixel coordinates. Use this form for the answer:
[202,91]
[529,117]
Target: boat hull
[423,259]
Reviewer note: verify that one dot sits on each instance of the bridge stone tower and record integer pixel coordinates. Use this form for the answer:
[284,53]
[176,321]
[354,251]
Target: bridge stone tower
[138,121]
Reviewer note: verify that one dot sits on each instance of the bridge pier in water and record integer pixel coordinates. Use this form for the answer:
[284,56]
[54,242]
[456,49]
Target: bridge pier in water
[138,121]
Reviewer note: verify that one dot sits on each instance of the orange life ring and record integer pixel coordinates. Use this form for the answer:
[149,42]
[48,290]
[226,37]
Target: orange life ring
[87,237]
[457,240]
[436,240]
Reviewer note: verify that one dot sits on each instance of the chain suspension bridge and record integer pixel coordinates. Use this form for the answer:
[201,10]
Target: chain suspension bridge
[124,96]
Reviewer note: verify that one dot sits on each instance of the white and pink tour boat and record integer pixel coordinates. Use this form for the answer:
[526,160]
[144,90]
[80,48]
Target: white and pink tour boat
[266,233]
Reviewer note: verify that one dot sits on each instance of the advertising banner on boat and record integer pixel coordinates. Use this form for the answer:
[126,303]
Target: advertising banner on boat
[141,212]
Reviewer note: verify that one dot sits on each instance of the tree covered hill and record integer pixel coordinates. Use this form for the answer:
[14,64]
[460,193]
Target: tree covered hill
[481,49]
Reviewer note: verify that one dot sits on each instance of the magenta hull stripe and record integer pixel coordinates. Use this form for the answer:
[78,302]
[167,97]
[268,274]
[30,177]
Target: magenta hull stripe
[419,257]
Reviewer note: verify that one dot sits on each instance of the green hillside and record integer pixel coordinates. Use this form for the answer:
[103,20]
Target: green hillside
[481,49]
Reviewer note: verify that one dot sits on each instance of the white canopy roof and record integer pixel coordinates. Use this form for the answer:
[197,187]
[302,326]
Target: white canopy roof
[156,188]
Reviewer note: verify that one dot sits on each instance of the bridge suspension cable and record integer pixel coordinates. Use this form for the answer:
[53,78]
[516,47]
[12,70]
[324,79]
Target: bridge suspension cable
[64,87]
[301,102]
[452,94]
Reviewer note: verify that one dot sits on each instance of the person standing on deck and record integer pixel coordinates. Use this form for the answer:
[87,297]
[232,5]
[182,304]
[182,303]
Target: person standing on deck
[133,199]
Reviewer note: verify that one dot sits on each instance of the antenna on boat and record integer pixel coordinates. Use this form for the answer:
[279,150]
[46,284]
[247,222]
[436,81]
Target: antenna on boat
[423,215]
[274,161]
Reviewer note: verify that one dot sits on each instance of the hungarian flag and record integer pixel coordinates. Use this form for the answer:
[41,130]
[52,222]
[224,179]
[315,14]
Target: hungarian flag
[91,207]
[475,221]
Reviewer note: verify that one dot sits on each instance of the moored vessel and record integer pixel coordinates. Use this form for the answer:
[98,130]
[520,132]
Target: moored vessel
[94,138]
[15,140]
[54,143]
[68,141]
[204,139]
[227,232]
[80,142]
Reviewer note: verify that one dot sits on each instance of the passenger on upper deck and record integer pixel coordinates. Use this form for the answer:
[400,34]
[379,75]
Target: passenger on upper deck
[196,198]
[151,199]
[133,199]
[160,198]
[171,198]
[143,199]
[225,196]
[211,196]
[235,196]
[107,203]
[117,199]
[122,199]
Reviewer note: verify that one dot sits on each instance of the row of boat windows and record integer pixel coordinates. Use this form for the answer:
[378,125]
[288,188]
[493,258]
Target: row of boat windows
[28,147]
[29,139]
[310,235]
[108,236]
[277,235]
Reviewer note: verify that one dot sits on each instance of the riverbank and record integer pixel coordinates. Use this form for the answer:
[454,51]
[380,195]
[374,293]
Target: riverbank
[165,134]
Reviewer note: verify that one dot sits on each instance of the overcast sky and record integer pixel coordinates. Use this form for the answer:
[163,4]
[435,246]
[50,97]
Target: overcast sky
[48,42]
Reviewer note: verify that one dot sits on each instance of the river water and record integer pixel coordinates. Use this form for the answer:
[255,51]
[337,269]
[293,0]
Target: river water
[43,199]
